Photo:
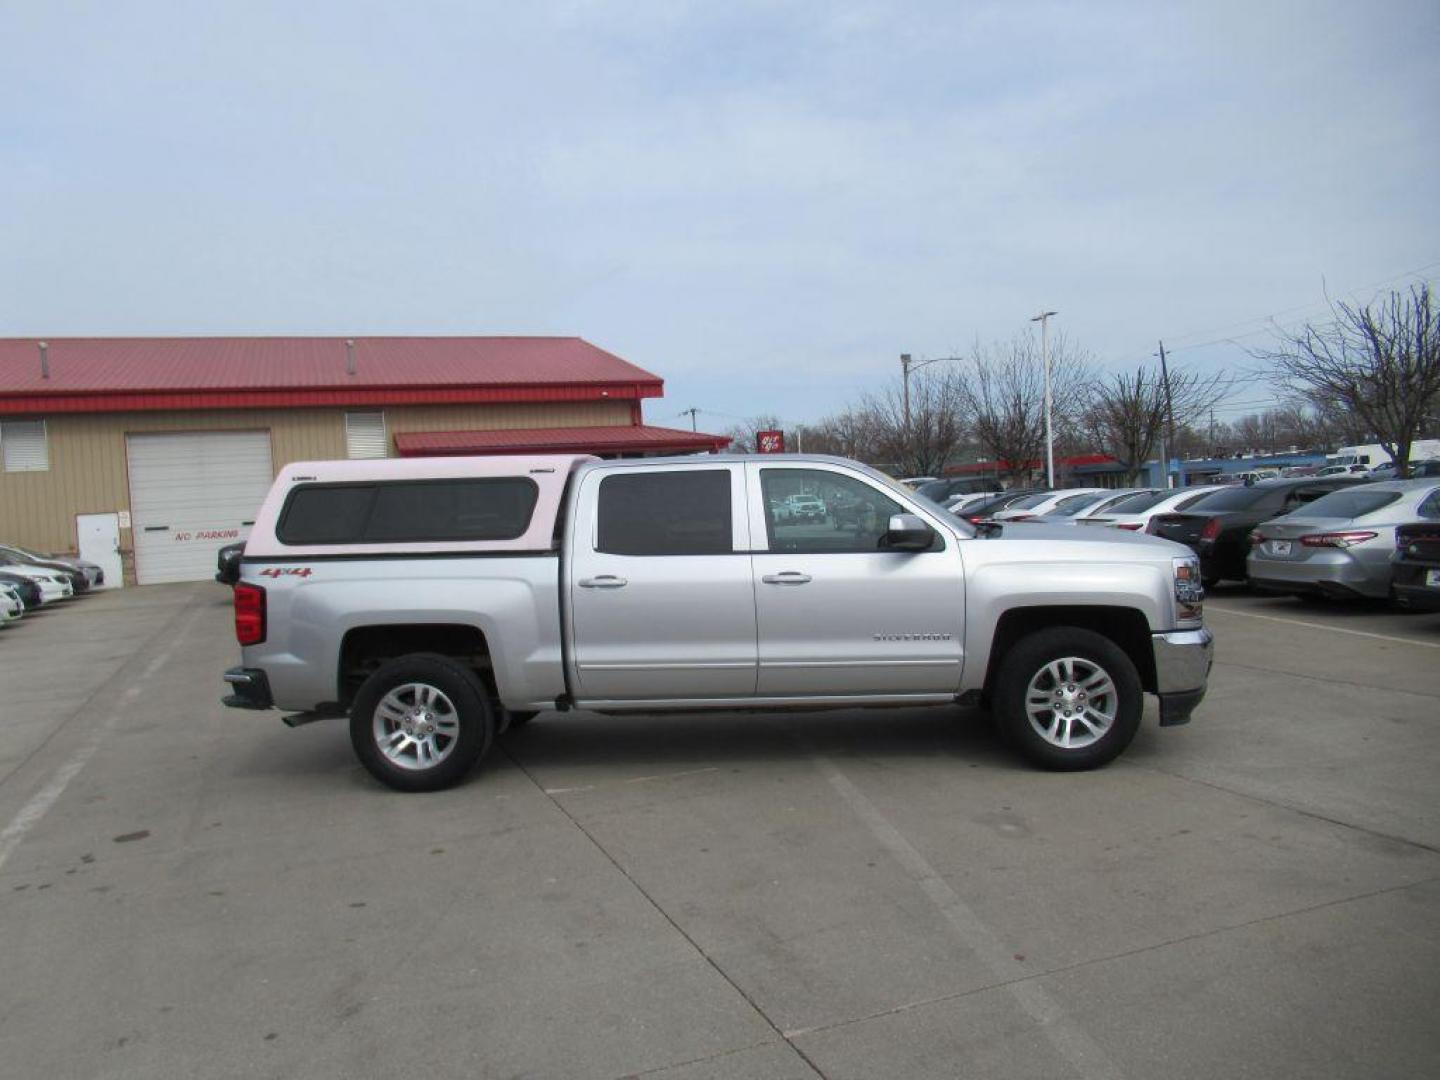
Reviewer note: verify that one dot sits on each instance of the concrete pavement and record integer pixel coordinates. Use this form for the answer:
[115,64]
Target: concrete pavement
[192,891]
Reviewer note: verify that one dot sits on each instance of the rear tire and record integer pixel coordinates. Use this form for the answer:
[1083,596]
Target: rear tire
[1068,698]
[421,722]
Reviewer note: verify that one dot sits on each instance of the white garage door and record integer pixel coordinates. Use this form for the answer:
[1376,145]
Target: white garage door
[190,495]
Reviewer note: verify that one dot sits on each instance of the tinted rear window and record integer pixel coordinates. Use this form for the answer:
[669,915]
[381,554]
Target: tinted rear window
[408,511]
[1348,504]
[1238,498]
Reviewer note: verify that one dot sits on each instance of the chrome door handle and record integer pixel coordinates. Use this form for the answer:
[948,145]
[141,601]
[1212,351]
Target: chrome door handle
[602,581]
[787,577]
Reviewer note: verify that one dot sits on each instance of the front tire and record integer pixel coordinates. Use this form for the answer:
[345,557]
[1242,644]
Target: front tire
[421,722]
[1068,698]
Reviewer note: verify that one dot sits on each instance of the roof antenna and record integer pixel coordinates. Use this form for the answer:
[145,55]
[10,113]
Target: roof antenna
[44,359]
[349,356]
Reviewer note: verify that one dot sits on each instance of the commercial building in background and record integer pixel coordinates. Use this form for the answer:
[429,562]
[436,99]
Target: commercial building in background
[151,453]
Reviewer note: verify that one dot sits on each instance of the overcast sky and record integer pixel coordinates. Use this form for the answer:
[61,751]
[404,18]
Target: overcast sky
[764,203]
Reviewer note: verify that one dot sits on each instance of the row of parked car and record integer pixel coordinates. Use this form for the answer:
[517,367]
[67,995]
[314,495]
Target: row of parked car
[30,580]
[1339,536]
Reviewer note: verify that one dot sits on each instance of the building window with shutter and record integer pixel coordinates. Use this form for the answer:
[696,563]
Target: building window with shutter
[23,446]
[365,435]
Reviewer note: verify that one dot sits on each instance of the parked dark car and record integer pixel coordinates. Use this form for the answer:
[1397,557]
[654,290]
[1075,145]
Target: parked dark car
[948,487]
[227,563]
[984,511]
[28,590]
[78,581]
[1217,528]
[1425,469]
[1416,571]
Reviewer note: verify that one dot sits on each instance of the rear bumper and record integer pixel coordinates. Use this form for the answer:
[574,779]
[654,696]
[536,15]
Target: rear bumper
[1328,574]
[1182,668]
[252,689]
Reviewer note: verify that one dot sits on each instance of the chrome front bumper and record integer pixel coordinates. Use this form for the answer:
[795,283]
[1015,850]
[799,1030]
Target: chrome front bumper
[1182,666]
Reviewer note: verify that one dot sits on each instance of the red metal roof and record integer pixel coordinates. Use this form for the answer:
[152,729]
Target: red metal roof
[581,440]
[108,374]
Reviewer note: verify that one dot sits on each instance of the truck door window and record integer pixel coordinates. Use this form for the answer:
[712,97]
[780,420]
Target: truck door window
[676,512]
[811,511]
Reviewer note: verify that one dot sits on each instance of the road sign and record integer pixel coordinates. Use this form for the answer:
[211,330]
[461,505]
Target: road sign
[769,442]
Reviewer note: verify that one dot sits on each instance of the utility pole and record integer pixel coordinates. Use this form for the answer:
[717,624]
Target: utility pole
[1044,320]
[1169,417]
[691,412]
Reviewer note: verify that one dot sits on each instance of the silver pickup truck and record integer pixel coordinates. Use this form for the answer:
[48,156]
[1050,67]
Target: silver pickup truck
[437,601]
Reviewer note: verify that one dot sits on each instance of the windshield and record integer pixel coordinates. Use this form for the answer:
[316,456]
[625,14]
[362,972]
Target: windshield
[908,494]
[1349,504]
[1133,504]
[1071,506]
[934,489]
[1030,501]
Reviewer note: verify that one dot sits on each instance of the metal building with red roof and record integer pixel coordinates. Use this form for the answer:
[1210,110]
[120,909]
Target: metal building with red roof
[149,453]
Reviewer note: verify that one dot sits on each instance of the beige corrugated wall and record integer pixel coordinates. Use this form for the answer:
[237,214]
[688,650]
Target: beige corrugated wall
[87,453]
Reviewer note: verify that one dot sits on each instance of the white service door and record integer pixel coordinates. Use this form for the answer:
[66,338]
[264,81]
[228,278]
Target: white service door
[191,493]
[98,539]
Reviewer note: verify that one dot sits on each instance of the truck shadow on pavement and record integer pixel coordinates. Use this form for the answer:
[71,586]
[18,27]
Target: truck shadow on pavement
[670,742]
[564,740]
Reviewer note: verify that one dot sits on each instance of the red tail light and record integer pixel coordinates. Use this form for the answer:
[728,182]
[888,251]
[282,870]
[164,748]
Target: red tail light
[975,519]
[249,614]
[1337,539]
[1210,530]
[1129,526]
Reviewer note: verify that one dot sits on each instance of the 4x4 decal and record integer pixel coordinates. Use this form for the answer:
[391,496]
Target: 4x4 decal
[285,571]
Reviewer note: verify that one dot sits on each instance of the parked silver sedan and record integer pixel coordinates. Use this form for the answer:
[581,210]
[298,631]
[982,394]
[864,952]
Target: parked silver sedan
[1340,544]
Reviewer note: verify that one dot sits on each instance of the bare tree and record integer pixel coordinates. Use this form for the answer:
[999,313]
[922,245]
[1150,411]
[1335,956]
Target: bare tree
[849,434]
[1127,414]
[936,423]
[743,435]
[1002,389]
[1380,362]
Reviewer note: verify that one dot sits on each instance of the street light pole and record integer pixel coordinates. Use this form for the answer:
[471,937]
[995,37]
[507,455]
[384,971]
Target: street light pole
[907,366]
[905,380]
[1044,320]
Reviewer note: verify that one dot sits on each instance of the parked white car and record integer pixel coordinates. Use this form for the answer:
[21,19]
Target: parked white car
[1035,506]
[53,584]
[11,607]
[1071,515]
[1134,512]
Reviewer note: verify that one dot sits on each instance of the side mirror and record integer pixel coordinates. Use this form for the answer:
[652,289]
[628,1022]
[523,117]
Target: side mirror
[906,532]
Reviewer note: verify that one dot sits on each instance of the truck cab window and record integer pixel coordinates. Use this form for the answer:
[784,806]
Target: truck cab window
[665,513]
[812,511]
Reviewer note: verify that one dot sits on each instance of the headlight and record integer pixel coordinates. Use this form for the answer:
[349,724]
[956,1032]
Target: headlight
[1189,592]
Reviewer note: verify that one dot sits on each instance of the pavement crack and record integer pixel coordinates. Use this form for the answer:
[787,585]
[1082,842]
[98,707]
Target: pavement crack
[639,888]
[1325,679]
[1277,804]
[702,1060]
[123,673]
[1081,965]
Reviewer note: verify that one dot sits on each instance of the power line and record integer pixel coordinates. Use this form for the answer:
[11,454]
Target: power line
[1287,311]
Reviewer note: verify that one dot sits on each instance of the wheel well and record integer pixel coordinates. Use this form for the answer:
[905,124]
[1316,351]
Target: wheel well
[365,648]
[1126,627]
